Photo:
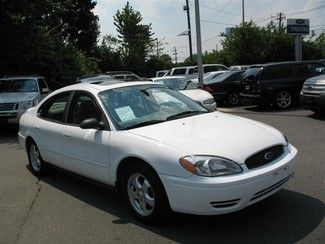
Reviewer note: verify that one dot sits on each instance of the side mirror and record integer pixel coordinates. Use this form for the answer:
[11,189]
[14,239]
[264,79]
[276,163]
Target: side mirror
[45,90]
[92,123]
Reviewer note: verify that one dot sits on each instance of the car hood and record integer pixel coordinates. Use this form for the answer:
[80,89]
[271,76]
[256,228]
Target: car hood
[197,94]
[214,133]
[16,97]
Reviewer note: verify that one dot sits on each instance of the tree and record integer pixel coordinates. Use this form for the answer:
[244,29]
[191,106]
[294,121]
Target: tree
[135,38]
[33,43]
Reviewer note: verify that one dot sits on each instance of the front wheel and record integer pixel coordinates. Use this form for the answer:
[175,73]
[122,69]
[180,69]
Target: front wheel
[145,195]
[233,99]
[283,99]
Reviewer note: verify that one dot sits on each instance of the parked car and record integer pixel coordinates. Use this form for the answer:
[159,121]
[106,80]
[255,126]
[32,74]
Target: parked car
[17,94]
[128,77]
[277,83]
[124,75]
[238,67]
[161,73]
[188,88]
[96,78]
[313,94]
[225,88]
[158,147]
[209,76]
[211,67]
[187,71]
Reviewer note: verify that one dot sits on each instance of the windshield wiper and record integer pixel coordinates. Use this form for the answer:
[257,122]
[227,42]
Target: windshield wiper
[184,114]
[150,122]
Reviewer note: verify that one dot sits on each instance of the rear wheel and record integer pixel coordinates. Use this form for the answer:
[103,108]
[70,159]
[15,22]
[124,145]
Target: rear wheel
[37,165]
[145,195]
[283,99]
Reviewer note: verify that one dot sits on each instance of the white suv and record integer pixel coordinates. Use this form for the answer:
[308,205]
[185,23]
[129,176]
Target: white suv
[17,94]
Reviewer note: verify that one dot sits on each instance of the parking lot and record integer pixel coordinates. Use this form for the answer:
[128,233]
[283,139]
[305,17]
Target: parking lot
[61,208]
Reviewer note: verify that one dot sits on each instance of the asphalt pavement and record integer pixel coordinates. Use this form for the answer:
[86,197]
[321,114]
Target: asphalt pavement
[62,208]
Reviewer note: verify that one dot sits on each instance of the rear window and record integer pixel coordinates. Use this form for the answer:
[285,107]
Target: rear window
[213,68]
[180,71]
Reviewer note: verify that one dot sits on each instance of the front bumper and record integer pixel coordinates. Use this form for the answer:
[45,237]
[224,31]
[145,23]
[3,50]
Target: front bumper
[314,103]
[220,195]
[11,117]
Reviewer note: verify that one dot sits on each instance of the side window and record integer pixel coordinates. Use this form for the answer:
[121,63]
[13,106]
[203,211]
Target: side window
[83,106]
[180,71]
[209,69]
[119,77]
[191,70]
[41,84]
[54,108]
[275,72]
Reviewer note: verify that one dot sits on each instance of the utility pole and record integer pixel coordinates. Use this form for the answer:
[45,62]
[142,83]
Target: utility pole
[198,43]
[187,9]
[243,10]
[280,16]
[157,51]
[175,54]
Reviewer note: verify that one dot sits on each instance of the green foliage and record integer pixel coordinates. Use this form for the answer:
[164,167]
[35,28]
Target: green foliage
[135,38]
[251,44]
[45,37]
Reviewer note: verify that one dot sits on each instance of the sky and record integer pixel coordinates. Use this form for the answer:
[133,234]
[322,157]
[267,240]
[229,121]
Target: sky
[168,18]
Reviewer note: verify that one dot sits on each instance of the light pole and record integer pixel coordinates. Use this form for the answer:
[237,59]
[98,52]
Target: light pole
[198,43]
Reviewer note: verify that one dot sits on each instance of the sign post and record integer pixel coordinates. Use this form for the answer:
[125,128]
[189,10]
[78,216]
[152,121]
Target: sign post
[298,27]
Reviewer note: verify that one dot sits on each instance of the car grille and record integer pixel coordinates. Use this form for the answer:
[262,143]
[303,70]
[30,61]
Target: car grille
[264,157]
[225,204]
[270,188]
[312,89]
[8,106]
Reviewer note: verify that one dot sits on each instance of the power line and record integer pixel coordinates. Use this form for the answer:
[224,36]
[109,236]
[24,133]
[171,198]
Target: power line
[218,10]
[217,23]
[307,10]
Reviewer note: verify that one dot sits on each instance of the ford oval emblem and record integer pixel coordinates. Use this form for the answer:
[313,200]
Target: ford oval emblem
[268,155]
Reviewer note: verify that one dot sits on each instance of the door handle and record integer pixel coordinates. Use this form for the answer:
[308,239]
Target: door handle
[36,128]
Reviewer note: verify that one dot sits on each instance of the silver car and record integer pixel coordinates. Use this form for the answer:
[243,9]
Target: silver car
[17,94]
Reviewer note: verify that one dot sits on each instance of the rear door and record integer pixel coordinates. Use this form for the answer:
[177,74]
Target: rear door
[85,151]
[49,126]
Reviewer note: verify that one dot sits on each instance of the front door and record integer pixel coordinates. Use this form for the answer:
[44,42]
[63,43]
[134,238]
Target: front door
[85,151]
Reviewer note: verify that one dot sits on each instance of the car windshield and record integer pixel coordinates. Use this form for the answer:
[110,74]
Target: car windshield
[137,106]
[178,84]
[251,74]
[18,85]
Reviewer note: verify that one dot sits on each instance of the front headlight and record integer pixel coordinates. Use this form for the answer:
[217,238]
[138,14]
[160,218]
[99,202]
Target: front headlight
[26,105]
[210,166]
[208,101]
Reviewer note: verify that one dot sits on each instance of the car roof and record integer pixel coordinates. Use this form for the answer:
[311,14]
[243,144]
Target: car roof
[183,67]
[95,88]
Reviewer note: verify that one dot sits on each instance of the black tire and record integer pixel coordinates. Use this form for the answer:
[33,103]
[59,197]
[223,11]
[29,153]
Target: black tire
[283,99]
[233,99]
[37,167]
[160,211]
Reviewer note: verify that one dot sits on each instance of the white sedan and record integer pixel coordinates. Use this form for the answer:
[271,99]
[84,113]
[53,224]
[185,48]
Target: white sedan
[188,88]
[161,149]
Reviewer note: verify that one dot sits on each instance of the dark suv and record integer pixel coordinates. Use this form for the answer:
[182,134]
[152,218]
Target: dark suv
[278,84]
